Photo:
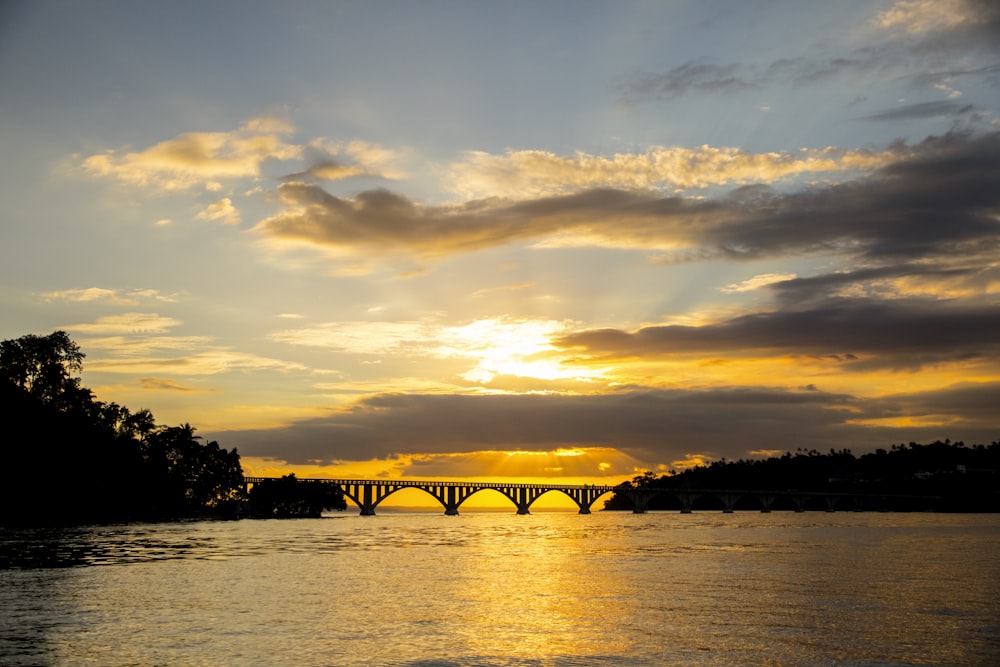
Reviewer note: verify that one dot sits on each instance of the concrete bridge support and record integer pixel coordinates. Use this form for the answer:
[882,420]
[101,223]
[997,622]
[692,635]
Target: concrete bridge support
[450,496]
[585,497]
[766,501]
[687,501]
[639,499]
[523,495]
[367,495]
[729,501]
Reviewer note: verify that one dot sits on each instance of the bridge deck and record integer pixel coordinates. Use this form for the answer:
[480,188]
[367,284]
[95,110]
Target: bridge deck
[368,493]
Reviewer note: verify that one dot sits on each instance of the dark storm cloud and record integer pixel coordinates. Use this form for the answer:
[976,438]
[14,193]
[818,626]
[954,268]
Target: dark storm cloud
[923,110]
[974,278]
[899,333]
[943,199]
[976,404]
[655,426]
[659,423]
[939,198]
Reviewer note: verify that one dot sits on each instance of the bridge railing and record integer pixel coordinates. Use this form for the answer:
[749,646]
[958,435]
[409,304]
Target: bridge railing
[425,483]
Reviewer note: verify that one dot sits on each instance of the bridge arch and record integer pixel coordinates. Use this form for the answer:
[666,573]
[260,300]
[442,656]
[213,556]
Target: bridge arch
[368,494]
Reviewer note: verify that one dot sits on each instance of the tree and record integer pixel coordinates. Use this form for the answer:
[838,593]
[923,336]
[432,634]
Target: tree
[190,477]
[80,460]
[289,497]
[42,365]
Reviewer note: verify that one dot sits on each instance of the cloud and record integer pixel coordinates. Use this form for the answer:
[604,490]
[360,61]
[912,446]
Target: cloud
[923,110]
[390,424]
[126,323]
[211,362]
[132,343]
[126,345]
[199,158]
[902,42]
[163,384]
[501,348]
[577,462]
[325,170]
[757,282]
[361,337]
[962,278]
[938,198]
[652,426]
[895,334]
[337,160]
[692,76]
[921,16]
[222,210]
[116,297]
[525,174]
[515,287]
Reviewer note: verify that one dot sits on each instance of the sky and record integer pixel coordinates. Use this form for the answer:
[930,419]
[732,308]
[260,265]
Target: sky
[556,241]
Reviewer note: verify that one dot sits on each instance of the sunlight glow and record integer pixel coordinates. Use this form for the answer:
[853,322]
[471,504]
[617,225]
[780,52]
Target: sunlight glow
[506,346]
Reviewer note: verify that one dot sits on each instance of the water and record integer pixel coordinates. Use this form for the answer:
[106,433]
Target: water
[489,588]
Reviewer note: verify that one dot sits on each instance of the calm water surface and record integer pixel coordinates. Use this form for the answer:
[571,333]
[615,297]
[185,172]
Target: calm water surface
[489,588]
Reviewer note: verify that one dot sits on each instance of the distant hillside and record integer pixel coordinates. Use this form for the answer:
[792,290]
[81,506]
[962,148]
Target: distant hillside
[967,478]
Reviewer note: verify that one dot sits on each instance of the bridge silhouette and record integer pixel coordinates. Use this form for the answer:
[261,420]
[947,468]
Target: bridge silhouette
[368,493]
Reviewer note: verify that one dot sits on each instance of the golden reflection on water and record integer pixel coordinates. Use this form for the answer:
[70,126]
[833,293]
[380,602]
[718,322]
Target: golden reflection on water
[502,589]
[531,597]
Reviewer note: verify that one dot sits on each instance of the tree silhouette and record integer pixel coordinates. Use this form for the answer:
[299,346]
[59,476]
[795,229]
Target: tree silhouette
[77,459]
[42,365]
[289,497]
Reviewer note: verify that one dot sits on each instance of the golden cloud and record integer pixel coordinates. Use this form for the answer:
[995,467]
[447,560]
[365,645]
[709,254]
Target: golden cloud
[919,16]
[757,282]
[533,173]
[222,210]
[198,158]
[127,323]
[114,296]
[212,362]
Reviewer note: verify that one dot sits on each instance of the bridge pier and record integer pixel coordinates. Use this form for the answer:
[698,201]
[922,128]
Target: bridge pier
[367,495]
[367,506]
[639,500]
[450,496]
[729,501]
[765,502]
[687,501]
[523,495]
[585,497]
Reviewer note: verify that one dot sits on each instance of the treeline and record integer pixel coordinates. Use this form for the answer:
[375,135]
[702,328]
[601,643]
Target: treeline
[965,478]
[71,459]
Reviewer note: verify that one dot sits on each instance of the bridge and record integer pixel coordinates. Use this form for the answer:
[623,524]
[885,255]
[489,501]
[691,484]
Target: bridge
[368,493]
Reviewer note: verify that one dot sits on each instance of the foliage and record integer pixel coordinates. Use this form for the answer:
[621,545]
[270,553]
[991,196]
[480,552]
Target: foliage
[967,478]
[289,497]
[80,460]
[42,366]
